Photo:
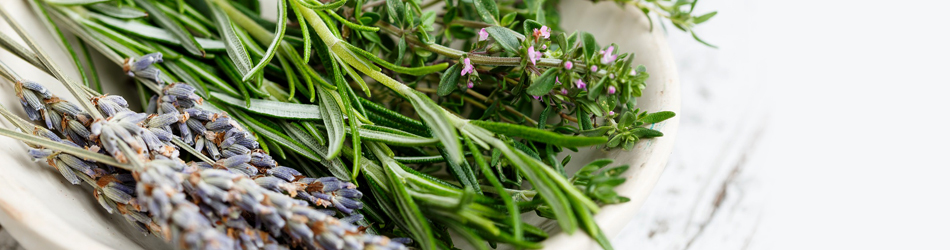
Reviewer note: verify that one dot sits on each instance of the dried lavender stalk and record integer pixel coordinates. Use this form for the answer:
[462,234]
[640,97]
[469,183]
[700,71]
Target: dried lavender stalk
[232,202]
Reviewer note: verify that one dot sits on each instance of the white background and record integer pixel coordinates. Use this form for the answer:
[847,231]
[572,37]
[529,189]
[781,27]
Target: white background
[833,116]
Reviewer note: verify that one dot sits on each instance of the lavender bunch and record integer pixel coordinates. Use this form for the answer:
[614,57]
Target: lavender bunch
[220,195]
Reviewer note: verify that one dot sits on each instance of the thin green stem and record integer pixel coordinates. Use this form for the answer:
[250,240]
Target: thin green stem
[56,72]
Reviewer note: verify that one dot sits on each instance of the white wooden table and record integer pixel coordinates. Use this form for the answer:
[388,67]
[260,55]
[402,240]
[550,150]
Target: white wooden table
[710,195]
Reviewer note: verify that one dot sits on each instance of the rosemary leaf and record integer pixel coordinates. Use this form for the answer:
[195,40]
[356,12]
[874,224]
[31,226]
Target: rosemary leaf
[275,109]
[187,40]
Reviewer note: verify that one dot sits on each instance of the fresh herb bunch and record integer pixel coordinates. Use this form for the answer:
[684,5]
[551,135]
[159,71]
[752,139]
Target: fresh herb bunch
[417,87]
[132,162]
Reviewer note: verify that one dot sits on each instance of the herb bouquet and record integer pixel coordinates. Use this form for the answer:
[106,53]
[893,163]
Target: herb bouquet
[345,124]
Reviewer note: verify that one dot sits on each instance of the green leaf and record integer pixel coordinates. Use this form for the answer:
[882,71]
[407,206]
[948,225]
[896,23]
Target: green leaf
[124,12]
[307,44]
[645,133]
[627,119]
[298,134]
[450,80]
[590,45]
[583,119]
[274,44]
[399,139]
[396,12]
[275,109]
[509,18]
[155,33]
[274,136]
[435,117]
[335,125]
[164,21]
[693,33]
[507,38]
[369,18]
[592,167]
[704,17]
[529,26]
[74,2]
[400,49]
[463,173]
[487,10]
[539,135]
[235,47]
[657,117]
[544,83]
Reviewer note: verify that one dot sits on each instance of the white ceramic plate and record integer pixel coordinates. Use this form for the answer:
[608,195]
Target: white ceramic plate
[42,211]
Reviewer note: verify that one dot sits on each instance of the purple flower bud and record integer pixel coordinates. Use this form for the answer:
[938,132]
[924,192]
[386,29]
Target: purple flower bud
[234,161]
[38,88]
[470,84]
[482,35]
[611,90]
[580,84]
[563,91]
[593,68]
[568,65]
[611,113]
[142,67]
[288,174]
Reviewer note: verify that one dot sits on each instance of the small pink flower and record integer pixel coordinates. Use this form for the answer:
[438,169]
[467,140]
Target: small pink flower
[608,57]
[557,79]
[612,76]
[593,68]
[611,113]
[537,98]
[544,32]
[470,84]
[563,91]
[568,65]
[580,84]
[611,90]
[544,46]
[533,55]
[482,35]
[467,67]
